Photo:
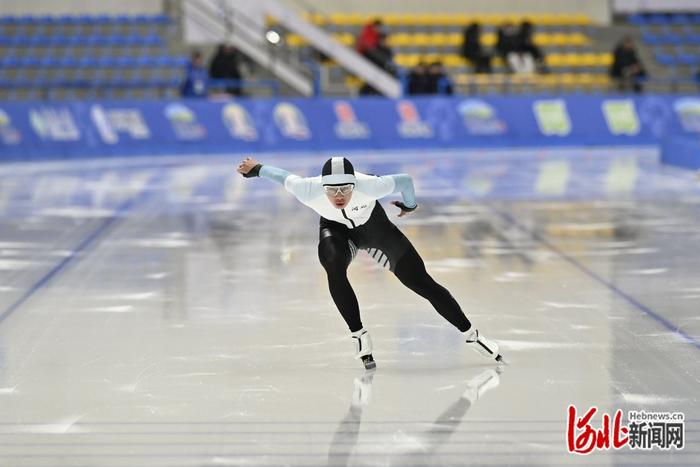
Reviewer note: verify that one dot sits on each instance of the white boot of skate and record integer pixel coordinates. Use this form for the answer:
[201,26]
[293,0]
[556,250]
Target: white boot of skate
[363,348]
[482,346]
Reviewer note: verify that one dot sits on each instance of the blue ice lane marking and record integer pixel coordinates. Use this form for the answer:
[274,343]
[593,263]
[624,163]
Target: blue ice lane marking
[631,300]
[63,264]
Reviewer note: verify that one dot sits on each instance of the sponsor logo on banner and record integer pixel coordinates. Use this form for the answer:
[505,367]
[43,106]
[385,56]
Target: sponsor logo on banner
[411,125]
[621,117]
[552,117]
[238,122]
[644,431]
[184,122]
[480,118]
[54,124]
[688,111]
[9,135]
[291,122]
[347,126]
[111,122]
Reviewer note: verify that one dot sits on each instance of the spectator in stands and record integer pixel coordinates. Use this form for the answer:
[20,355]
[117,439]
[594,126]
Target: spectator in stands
[526,45]
[418,80]
[382,56]
[438,81]
[627,69]
[521,62]
[195,84]
[370,36]
[226,65]
[507,41]
[472,50]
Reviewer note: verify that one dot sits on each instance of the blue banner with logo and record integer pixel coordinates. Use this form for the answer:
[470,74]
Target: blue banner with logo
[60,130]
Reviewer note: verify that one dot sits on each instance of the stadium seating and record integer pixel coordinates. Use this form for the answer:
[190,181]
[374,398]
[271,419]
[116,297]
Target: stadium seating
[109,55]
[674,39]
[565,38]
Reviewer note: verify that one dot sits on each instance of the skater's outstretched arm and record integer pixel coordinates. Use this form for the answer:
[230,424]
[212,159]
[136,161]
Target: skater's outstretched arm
[251,168]
[403,183]
[299,186]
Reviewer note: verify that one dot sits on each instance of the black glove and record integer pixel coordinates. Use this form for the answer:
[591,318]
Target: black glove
[404,207]
[254,172]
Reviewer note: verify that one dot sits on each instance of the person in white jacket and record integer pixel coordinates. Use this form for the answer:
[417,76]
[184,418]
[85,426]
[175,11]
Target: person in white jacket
[352,220]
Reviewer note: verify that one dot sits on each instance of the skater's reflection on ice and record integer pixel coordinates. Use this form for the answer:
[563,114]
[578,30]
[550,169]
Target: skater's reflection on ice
[344,440]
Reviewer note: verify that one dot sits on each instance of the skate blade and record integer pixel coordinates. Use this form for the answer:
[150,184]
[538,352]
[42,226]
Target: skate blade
[500,359]
[369,362]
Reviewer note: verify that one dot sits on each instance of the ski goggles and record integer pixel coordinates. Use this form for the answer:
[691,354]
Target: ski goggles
[335,190]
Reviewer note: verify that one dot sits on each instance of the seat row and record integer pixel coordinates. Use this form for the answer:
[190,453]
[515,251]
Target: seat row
[10,62]
[60,40]
[452,40]
[679,59]
[658,19]
[84,20]
[447,19]
[552,60]
[652,39]
[46,82]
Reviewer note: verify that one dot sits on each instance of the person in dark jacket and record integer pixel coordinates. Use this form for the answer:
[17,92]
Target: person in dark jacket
[472,50]
[627,69]
[226,64]
[438,81]
[195,84]
[418,80]
[526,45]
[507,41]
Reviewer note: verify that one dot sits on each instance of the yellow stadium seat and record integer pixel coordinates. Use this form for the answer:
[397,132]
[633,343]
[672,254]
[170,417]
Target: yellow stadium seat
[605,59]
[420,40]
[346,39]
[555,60]
[453,61]
[544,40]
[546,19]
[295,40]
[581,19]
[489,39]
[439,40]
[454,39]
[392,19]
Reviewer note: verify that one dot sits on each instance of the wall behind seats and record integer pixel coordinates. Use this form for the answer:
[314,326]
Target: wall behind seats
[66,7]
[598,10]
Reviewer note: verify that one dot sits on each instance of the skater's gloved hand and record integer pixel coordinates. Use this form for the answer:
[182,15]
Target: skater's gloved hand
[249,168]
[404,209]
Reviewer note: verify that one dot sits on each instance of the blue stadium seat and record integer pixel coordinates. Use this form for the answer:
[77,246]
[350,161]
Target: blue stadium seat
[651,39]
[671,39]
[658,19]
[638,19]
[665,59]
[680,19]
[693,39]
[686,59]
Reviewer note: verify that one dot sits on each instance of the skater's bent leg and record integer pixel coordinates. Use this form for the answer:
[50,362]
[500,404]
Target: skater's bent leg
[334,254]
[411,272]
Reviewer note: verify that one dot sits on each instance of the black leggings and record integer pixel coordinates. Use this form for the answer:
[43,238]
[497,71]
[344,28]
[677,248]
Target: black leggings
[385,242]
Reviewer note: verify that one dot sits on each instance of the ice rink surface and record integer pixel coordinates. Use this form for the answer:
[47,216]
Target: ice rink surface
[167,312]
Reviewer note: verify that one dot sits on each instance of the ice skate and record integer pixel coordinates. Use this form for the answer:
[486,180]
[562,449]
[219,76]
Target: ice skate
[363,348]
[481,383]
[483,346]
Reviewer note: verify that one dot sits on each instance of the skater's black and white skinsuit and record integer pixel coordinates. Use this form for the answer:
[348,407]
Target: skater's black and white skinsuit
[363,224]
